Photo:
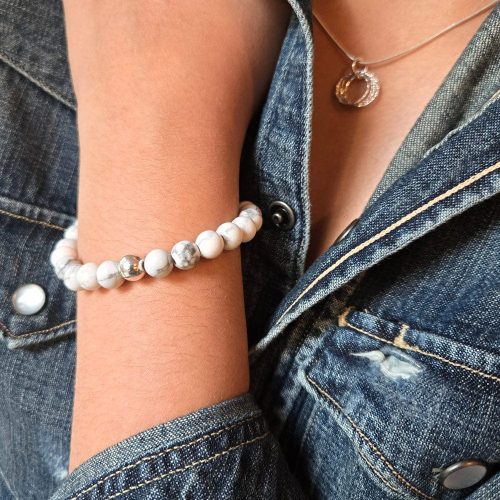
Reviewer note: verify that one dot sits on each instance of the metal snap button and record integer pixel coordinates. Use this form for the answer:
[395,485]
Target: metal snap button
[346,231]
[28,299]
[462,474]
[282,215]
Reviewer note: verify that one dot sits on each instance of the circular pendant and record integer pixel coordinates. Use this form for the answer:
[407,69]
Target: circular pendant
[372,87]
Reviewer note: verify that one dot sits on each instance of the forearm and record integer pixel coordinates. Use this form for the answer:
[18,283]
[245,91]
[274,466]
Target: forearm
[165,92]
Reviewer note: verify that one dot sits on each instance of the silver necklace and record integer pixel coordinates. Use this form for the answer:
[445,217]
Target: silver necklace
[359,66]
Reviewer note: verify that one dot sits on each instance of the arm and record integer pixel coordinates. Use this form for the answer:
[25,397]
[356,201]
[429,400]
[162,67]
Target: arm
[165,92]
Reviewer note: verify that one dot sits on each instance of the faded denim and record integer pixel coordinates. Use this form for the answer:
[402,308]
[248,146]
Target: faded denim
[370,371]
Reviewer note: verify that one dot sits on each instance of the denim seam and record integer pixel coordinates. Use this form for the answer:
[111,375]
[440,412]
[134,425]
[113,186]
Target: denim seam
[16,66]
[402,344]
[389,229]
[5,329]
[29,219]
[367,440]
[377,473]
[164,452]
[189,466]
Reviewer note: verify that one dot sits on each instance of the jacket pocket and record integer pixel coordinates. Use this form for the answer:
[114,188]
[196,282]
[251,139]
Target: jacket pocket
[27,236]
[411,402]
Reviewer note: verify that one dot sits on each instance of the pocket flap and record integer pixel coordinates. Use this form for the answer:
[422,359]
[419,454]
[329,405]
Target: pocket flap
[27,236]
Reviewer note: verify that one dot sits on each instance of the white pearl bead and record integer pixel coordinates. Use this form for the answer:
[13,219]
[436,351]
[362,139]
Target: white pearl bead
[248,204]
[158,263]
[70,279]
[231,234]
[185,254]
[210,243]
[61,254]
[247,226]
[253,214]
[71,232]
[65,242]
[108,275]
[87,276]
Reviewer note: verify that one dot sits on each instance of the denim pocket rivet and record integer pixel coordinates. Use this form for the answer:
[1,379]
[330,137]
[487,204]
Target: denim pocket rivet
[28,299]
[462,474]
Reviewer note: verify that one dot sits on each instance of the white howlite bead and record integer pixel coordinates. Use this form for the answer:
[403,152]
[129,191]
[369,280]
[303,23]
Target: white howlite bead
[66,242]
[108,275]
[158,263]
[231,235]
[71,232]
[186,254]
[253,214]
[210,243]
[247,226]
[248,204]
[61,254]
[61,267]
[87,276]
[70,279]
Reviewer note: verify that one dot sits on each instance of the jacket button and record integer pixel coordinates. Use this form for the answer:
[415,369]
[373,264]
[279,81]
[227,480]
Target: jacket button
[28,299]
[282,215]
[346,231]
[462,474]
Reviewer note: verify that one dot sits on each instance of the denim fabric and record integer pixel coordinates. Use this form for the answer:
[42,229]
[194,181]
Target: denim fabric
[371,371]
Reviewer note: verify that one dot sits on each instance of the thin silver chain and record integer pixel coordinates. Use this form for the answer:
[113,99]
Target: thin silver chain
[406,51]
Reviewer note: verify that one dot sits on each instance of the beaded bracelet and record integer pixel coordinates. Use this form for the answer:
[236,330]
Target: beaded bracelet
[158,263]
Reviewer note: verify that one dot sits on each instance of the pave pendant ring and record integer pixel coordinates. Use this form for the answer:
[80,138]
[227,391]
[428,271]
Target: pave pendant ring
[372,86]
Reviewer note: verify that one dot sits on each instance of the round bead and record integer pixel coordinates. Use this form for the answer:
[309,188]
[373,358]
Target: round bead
[255,215]
[231,235]
[248,204]
[66,242]
[247,226]
[61,254]
[131,267]
[210,243]
[71,232]
[28,299]
[108,274]
[158,263]
[185,254]
[70,279]
[61,267]
[87,276]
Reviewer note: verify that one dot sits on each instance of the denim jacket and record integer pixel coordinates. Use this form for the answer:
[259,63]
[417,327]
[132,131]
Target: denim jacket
[375,372]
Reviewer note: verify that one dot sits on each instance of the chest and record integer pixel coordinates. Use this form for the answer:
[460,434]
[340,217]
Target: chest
[351,148]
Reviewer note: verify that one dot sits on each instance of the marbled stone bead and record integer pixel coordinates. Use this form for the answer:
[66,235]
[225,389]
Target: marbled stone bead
[210,243]
[62,254]
[185,254]
[71,232]
[255,215]
[131,267]
[248,204]
[158,263]
[231,234]
[108,274]
[87,276]
[70,279]
[247,226]
[66,242]
[62,266]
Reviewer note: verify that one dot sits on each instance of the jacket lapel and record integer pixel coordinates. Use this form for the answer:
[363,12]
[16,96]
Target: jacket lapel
[458,173]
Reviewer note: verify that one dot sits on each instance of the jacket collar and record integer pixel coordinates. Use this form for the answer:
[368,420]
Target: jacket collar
[459,171]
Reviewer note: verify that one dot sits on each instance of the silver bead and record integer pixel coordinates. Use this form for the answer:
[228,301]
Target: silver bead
[131,267]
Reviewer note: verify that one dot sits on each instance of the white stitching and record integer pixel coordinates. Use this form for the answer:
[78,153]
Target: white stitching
[390,229]
[164,452]
[188,466]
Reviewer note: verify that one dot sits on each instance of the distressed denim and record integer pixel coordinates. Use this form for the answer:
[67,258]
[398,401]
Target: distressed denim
[371,370]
